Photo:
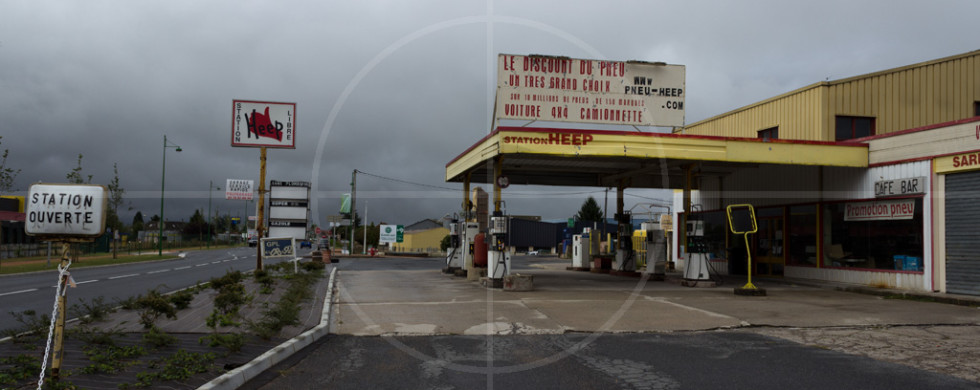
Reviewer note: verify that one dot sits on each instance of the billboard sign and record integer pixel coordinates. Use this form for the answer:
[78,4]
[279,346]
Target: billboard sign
[263,124]
[562,89]
[239,189]
[66,211]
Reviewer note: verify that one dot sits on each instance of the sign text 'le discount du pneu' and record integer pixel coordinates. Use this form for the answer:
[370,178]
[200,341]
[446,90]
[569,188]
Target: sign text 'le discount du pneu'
[562,89]
[66,211]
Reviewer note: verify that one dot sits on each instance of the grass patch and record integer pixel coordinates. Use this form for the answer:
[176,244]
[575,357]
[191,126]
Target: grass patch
[910,298]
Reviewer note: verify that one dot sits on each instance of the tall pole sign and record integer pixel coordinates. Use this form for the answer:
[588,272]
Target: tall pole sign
[257,124]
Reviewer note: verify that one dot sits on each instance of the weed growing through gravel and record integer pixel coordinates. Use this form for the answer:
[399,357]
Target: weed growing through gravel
[33,329]
[177,367]
[18,369]
[95,310]
[230,298]
[286,311]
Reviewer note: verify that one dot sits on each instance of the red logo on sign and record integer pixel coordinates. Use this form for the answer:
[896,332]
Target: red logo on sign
[261,126]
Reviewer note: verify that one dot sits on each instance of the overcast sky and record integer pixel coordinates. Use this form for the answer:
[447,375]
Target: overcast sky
[391,88]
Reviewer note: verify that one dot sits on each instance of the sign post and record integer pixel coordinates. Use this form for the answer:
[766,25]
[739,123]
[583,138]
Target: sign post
[741,220]
[272,125]
[67,213]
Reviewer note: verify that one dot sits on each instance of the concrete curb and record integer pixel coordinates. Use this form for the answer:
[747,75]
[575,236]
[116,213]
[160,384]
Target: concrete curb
[236,378]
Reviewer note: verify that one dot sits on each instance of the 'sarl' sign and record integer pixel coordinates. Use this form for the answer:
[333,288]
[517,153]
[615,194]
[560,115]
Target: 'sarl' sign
[263,124]
[562,89]
[66,211]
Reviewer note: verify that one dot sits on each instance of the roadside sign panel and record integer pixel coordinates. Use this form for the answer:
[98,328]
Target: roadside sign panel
[562,89]
[66,211]
[392,233]
[263,124]
[388,233]
[239,189]
[278,247]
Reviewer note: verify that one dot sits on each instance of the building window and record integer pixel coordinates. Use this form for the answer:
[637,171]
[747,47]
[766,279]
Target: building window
[855,235]
[851,127]
[802,229]
[976,108]
[769,134]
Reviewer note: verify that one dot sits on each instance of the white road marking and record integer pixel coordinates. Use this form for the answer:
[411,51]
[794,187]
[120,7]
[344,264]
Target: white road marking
[216,262]
[202,265]
[121,276]
[87,281]
[18,292]
[159,271]
[180,268]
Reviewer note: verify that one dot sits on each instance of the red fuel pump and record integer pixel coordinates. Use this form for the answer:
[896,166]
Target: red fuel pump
[480,250]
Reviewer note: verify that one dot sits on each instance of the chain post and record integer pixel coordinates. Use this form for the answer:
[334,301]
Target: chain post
[56,330]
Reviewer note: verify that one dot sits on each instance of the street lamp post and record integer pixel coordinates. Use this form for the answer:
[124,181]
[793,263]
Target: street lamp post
[163,179]
[210,186]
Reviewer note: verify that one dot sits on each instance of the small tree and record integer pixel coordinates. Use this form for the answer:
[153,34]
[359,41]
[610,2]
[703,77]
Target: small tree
[115,199]
[590,211]
[7,175]
[75,176]
[137,225]
[197,225]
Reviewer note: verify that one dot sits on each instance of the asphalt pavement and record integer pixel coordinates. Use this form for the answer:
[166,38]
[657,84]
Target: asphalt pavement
[402,318]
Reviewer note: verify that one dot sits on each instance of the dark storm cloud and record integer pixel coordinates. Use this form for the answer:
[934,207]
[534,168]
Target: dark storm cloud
[108,79]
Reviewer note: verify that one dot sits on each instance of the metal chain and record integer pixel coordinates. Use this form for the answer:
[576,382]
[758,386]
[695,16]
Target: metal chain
[54,318]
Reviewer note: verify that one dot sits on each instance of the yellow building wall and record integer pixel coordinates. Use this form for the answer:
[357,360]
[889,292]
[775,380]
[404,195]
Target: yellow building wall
[913,96]
[422,241]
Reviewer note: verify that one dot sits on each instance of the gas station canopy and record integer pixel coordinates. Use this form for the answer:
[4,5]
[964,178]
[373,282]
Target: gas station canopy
[597,158]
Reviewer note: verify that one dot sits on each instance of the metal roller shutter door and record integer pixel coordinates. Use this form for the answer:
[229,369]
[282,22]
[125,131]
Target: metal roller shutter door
[963,233]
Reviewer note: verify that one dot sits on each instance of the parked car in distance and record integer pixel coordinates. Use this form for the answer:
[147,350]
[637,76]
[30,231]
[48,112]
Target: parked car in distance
[253,242]
[532,253]
[305,244]
[323,244]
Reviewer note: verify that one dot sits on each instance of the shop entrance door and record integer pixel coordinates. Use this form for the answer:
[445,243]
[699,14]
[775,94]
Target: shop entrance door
[768,257]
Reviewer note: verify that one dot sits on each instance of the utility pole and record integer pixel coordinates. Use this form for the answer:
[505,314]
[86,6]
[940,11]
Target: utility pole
[364,247]
[353,209]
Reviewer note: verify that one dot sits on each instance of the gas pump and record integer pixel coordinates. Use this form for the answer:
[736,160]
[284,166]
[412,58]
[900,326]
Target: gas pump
[697,268]
[466,249]
[625,256]
[580,251]
[656,254]
[498,257]
[454,255]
